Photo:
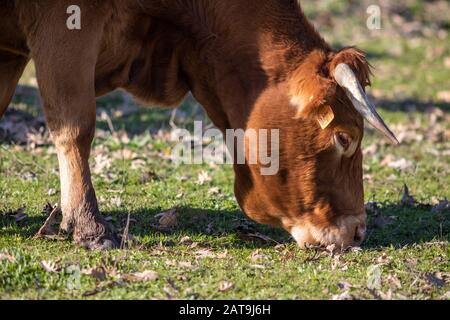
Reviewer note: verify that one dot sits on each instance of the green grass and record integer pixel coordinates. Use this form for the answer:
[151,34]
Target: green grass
[408,244]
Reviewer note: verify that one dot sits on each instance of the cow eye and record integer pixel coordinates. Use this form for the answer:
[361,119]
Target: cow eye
[344,139]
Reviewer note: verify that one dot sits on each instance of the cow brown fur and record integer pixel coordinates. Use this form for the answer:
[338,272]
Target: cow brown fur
[251,64]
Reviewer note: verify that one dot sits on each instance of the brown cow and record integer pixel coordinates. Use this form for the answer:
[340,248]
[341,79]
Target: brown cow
[251,64]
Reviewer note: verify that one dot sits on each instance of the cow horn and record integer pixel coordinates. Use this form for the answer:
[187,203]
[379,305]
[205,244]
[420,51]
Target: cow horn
[346,78]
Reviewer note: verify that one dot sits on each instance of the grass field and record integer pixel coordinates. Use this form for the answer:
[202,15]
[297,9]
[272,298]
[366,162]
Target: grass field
[210,250]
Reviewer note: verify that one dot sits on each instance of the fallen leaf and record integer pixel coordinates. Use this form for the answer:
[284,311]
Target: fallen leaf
[383,259]
[446,296]
[186,265]
[257,256]
[401,164]
[331,248]
[447,62]
[186,241]
[116,201]
[342,296]
[394,280]
[148,177]
[52,192]
[205,253]
[4,256]
[435,279]
[214,191]
[344,286]
[50,266]
[48,208]
[222,255]
[258,266]
[225,286]
[98,273]
[48,227]
[167,220]
[147,275]
[203,177]
[102,162]
[444,96]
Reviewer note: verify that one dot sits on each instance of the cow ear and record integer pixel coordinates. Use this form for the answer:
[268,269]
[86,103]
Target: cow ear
[356,60]
[311,90]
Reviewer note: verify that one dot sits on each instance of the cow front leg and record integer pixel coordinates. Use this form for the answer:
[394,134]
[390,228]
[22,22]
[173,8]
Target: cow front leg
[65,67]
[81,215]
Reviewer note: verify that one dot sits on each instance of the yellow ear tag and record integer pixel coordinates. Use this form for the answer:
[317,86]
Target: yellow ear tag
[325,116]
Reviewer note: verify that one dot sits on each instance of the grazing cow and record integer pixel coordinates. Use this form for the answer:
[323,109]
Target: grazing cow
[251,64]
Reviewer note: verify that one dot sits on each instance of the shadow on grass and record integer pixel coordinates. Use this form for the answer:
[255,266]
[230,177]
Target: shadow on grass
[398,226]
[395,226]
[219,228]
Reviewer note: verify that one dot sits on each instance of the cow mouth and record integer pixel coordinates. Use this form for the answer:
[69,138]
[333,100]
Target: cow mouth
[348,232]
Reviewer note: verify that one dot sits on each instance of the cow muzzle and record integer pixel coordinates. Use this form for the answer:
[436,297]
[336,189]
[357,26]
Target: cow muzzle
[345,232]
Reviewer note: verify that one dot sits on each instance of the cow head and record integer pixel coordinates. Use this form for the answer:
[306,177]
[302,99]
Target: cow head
[317,194]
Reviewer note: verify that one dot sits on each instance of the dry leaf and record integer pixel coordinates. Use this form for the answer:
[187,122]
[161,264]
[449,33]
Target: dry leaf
[444,96]
[394,281]
[344,286]
[214,191]
[98,273]
[435,279]
[342,296]
[102,162]
[225,286]
[186,241]
[257,256]
[401,164]
[50,266]
[222,255]
[116,201]
[4,256]
[446,296]
[205,253]
[383,259]
[203,177]
[52,192]
[258,266]
[48,227]
[147,275]
[167,220]
[186,265]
